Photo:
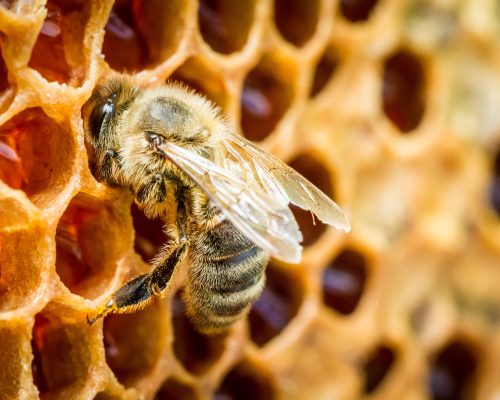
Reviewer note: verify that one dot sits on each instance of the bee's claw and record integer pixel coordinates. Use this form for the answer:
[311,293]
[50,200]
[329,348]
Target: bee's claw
[109,307]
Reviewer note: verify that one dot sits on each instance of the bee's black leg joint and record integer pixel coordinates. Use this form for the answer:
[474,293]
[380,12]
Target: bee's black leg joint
[133,292]
[162,274]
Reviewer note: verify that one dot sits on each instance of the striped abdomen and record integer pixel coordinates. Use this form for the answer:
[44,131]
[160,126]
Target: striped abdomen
[226,275]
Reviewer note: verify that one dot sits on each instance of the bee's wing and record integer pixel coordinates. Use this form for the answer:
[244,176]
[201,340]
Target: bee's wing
[275,176]
[264,219]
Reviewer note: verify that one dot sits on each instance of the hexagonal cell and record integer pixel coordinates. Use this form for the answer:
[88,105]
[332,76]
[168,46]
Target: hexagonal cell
[404,89]
[194,74]
[134,342]
[277,305]
[495,185]
[316,173]
[89,241]
[174,388]
[62,357]
[377,366]
[357,10]
[149,234]
[35,155]
[453,372]
[296,20]
[21,276]
[58,54]
[344,281]
[141,34]
[195,351]
[325,68]
[224,24]
[246,382]
[267,93]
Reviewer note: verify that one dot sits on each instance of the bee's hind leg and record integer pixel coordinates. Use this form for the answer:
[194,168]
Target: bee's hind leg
[138,292]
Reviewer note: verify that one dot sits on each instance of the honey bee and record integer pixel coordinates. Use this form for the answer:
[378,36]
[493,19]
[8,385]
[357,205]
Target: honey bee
[225,201]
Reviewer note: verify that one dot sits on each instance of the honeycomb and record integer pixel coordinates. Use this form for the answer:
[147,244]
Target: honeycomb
[389,106]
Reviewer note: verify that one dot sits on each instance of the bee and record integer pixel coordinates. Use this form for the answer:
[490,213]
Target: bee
[224,201]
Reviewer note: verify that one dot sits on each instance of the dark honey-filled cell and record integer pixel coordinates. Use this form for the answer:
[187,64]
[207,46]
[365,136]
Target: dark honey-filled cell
[224,24]
[61,355]
[195,351]
[267,94]
[89,240]
[276,306]
[140,34]
[246,382]
[357,10]
[35,155]
[296,20]
[404,90]
[453,373]
[58,54]
[495,185]
[195,75]
[377,366]
[173,388]
[324,70]
[149,234]
[316,173]
[344,281]
[134,342]
[4,78]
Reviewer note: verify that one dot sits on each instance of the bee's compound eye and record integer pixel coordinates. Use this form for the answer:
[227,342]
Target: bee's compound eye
[97,117]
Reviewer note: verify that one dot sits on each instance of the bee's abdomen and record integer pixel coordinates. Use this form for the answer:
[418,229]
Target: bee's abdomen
[226,276]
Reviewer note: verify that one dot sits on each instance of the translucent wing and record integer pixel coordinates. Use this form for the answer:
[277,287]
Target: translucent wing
[263,218]
[281,181]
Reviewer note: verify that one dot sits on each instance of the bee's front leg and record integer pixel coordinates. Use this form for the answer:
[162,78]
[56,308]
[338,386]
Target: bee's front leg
[153,190]
[138,292]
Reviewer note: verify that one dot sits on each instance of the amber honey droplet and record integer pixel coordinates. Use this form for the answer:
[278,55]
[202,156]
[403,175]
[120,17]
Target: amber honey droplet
[195,351]
[377,367]
[404,90]
[245,382]
[224,24]
[316,173]
[296,20]
[453,373]
[344,281]
[357,10]
[276,306]
[264,101]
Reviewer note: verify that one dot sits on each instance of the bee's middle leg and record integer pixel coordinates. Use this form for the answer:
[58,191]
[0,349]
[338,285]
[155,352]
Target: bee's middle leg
[138,292]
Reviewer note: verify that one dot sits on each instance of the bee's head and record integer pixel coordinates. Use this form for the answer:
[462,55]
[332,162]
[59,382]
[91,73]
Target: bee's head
[100,119]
